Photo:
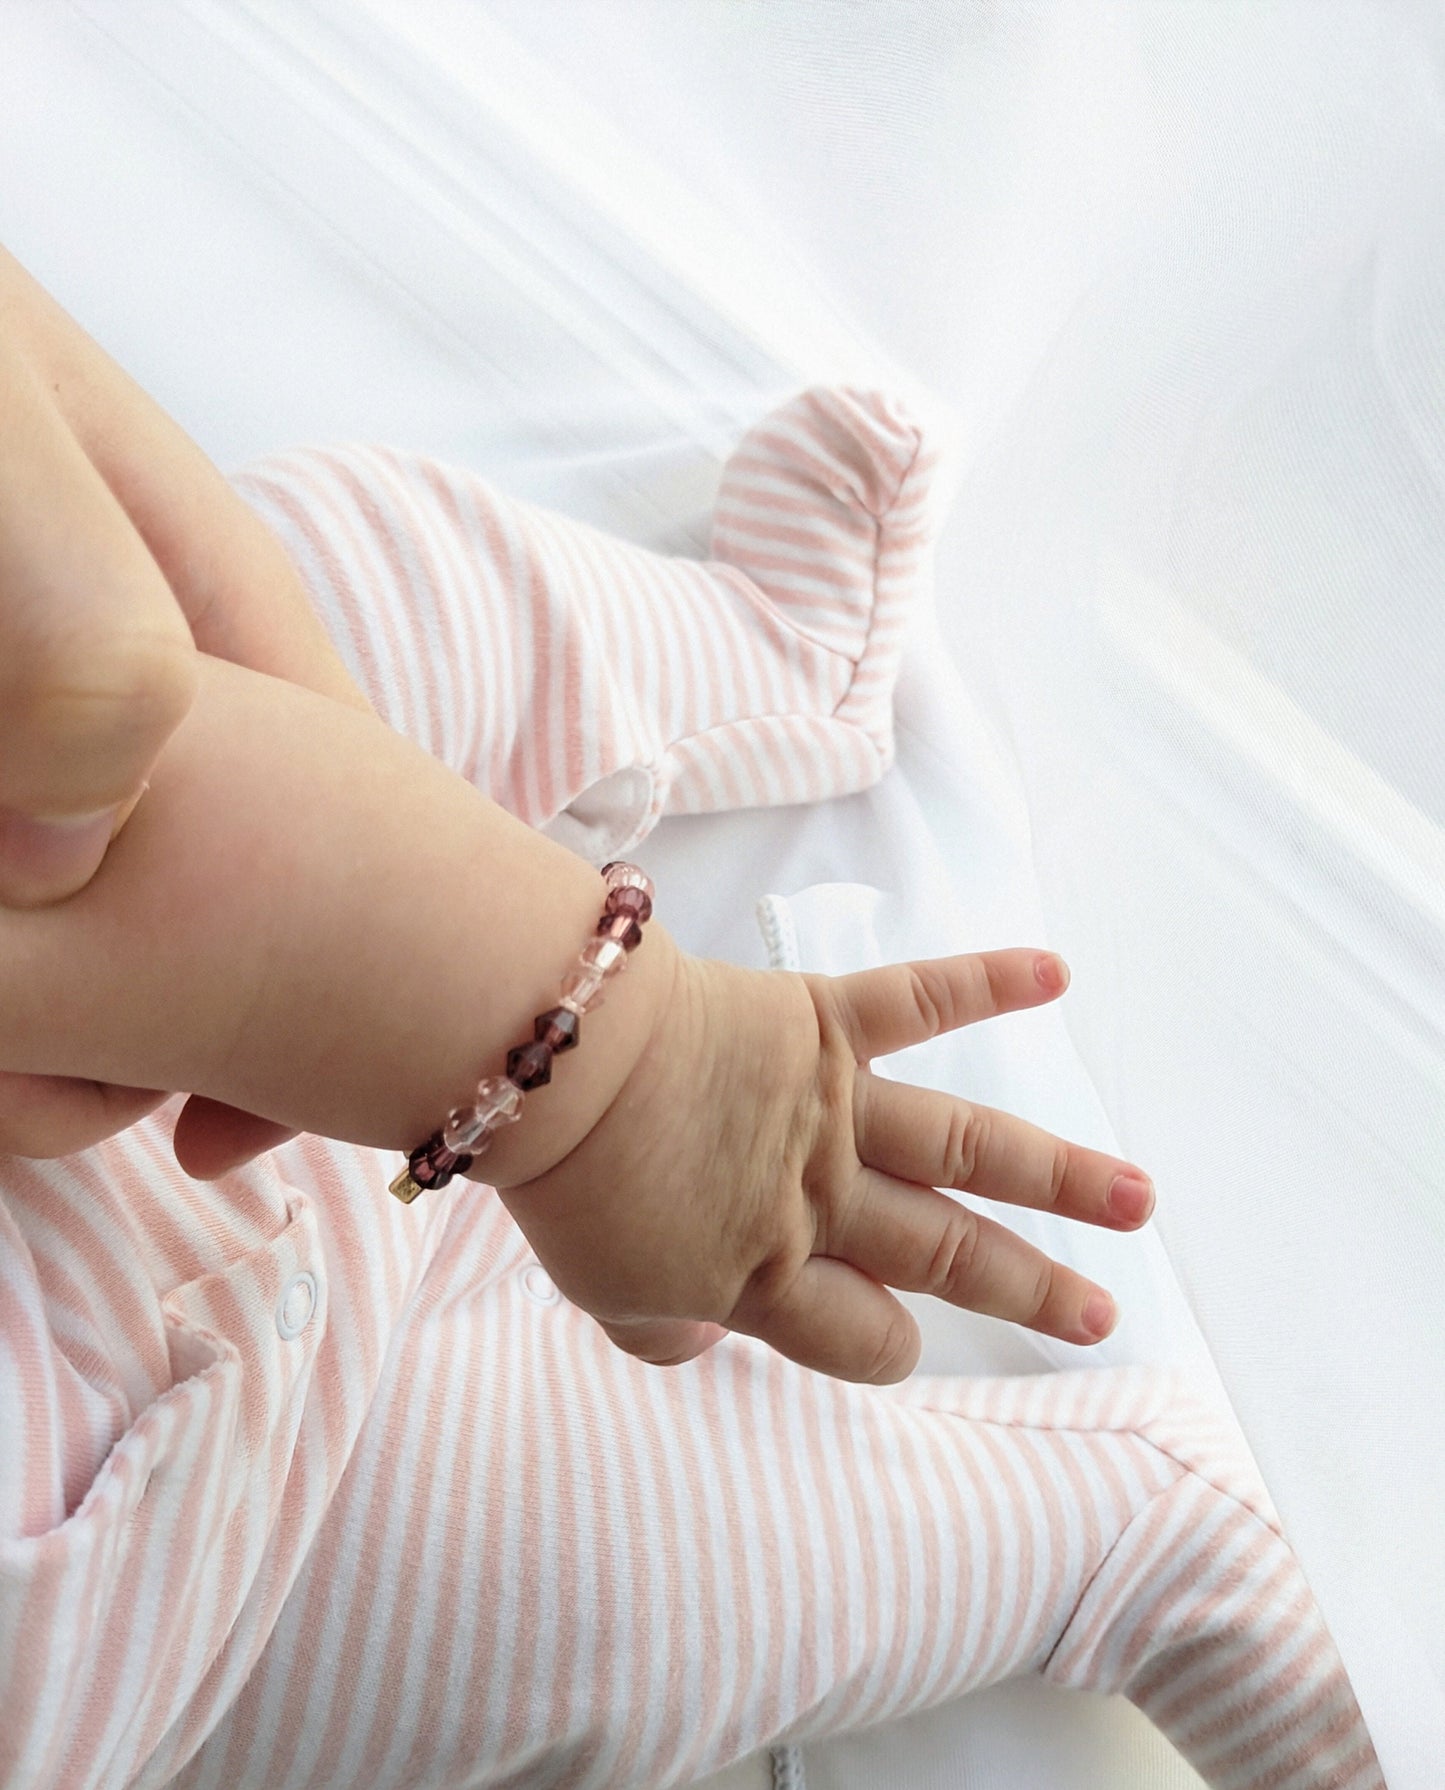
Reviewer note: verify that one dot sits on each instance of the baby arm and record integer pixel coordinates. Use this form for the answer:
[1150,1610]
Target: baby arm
[310,918]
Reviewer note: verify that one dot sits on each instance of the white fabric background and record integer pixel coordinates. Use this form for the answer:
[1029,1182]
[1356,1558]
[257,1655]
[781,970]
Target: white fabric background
[1178,270]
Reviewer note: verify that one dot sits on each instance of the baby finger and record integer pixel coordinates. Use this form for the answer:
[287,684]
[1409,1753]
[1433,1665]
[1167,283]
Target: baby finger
[922,1241]
[883,1010]
[935,1139]
[835,1319]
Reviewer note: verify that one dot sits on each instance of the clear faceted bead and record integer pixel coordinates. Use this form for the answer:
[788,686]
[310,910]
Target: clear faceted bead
[470,1127]
[467,1129]
[604,954]
[499,1100]
[582,989]
[463,1128]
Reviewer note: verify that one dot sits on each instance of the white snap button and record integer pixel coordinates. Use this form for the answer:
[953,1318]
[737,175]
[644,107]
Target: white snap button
[296,1304]
[538,1285]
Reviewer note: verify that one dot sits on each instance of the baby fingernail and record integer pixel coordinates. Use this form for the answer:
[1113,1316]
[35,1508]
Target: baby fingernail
[42,860]
[1052,974]
[1131,1198]
[1099,1314]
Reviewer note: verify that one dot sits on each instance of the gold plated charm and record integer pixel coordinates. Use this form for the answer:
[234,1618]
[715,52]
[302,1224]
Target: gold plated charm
[404,1187]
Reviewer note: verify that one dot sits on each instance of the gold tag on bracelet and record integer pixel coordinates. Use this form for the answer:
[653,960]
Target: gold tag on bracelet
[404,1187]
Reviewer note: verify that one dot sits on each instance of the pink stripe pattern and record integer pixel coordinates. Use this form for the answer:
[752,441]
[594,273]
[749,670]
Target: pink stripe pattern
[303,1488]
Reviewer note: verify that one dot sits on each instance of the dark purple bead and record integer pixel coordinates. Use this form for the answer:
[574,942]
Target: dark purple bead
[636,902]
[422,1171]
[558,1029]
[529,1066]
[621,927]
[432,1164]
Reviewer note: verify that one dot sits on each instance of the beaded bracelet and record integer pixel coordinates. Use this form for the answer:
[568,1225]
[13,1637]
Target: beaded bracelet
[469,1129]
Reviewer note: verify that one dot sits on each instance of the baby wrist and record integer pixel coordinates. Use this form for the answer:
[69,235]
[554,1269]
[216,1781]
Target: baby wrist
[480,1139]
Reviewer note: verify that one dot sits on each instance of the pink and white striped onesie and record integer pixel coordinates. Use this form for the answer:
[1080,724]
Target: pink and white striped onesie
[300,1487]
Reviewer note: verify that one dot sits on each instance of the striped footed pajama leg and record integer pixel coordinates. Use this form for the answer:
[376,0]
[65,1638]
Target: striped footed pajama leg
[564,670]
[1167,1576]
[611,1576]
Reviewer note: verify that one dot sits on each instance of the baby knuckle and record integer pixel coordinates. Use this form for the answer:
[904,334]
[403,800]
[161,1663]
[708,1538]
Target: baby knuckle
[894,1346]
[1041,1292]
[833,1024]
[963,1145]
[983,980]
[952,1266]
[928,990]
[1058,1172]
[769,1291]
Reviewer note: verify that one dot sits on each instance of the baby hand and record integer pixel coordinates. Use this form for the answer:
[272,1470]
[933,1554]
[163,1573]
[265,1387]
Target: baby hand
[311,920]
[754,1174]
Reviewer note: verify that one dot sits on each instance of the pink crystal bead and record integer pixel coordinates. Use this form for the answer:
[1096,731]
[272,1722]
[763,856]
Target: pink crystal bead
[498,1103]
[582,989]
[605,955]
[627,876]
[636,902]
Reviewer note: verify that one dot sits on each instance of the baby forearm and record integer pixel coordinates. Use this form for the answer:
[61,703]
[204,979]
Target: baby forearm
[310,918]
